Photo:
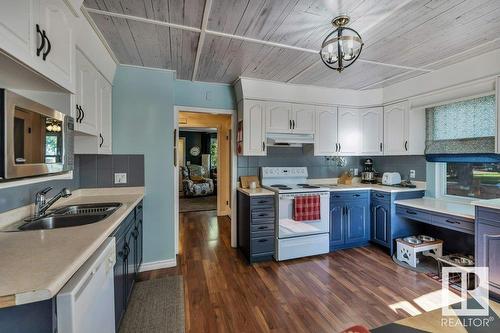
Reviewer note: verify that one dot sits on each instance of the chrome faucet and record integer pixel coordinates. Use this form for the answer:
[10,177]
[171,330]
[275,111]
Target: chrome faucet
[41,203]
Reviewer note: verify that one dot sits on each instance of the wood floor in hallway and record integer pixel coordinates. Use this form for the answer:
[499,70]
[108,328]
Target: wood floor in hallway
[326,293]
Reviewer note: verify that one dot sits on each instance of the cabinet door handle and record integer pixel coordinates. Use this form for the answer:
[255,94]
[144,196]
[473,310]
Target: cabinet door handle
[49,47]
[263,146]
[77,113]
[411,212]
[290,124]
[340,147]
[262,214]
[356,195]
[452,222]
[42,43]
[293,122]
[262,201]
[83,114]
[381,147]
[262,228]
[406,145]
[379,195]
[336,147]
[262,240]
[336,196]
[102,140]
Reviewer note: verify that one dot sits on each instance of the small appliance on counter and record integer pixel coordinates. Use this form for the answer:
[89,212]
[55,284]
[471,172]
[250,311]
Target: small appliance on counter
[391,178]
[368,174]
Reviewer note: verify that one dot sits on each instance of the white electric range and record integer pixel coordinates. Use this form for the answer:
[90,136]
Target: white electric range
[296,239]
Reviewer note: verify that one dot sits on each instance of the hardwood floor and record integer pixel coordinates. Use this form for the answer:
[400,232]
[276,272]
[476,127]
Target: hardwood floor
[326,293]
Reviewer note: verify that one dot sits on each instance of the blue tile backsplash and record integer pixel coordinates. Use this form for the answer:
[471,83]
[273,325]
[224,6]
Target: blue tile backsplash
[91,171]
[320,167]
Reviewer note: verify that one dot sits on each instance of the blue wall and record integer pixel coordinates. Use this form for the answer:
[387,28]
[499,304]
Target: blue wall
[143,102]
[143,123]
[205,95]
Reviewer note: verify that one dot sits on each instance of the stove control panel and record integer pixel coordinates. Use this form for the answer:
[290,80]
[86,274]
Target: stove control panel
[278,172]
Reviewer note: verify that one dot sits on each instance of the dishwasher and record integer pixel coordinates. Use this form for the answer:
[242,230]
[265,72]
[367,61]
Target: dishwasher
[86,302]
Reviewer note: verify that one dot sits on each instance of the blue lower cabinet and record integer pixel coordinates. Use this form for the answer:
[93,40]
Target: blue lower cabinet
[349,220]
[381,222]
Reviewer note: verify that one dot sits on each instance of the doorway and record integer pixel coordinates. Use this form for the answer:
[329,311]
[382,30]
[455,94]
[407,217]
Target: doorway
[223,122]
[198,157]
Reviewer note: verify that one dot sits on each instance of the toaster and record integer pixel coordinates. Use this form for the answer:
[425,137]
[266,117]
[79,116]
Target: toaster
[391,178]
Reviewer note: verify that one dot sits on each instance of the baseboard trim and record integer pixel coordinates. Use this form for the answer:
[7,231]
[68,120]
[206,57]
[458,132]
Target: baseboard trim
[150,266]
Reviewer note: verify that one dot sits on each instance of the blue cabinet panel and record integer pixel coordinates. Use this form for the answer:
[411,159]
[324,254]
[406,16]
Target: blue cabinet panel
[336,224]
[381,222]
[357,222]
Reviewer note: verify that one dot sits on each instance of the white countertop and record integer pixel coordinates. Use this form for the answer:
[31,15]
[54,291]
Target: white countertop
[465,210]
[255,192]
[35,265]
[491,203]
[334,186]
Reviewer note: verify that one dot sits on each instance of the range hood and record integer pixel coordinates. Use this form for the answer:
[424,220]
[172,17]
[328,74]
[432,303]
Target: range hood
[289,140]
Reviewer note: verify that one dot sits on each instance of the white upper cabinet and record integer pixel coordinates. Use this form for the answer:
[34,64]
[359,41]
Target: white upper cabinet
[39,34]
[372,129]
[325,138]
[349,132]
[278,117]
[55,22]
[303,117]
[105,109]
[16,28]
[86,107]
[396,128]
[253,115]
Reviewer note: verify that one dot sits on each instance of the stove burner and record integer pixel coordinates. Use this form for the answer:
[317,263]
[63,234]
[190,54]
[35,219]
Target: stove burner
[307,186]
[281,187]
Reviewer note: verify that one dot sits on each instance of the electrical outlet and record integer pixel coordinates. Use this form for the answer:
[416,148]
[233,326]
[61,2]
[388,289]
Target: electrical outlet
[356,172]
[120,178]
[412,174]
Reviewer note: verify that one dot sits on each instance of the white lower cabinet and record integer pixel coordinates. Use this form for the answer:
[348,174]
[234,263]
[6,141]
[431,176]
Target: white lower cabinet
[325,138]
[372,129]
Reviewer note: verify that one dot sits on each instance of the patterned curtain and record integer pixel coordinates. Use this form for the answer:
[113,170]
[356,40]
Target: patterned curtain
[461,128]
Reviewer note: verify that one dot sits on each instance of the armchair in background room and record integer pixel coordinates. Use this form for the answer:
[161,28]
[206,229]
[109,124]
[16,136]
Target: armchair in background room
[194,182]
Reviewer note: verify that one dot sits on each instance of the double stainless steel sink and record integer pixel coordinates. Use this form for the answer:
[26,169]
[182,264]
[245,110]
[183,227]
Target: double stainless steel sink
[71,216]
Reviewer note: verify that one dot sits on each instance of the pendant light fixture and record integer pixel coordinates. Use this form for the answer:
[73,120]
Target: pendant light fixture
[342,47]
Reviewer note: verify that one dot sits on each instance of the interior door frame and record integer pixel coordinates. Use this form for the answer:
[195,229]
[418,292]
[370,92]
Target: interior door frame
[233,160]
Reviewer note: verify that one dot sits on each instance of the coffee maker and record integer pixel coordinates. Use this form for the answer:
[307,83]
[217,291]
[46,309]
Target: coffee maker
[368,174]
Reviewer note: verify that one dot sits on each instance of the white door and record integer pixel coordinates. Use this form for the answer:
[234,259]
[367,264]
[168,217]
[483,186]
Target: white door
[254,134]
[303,119]
[372,130]
[17,29]
[278,117]
[86,96]
[349,132]
[105,108]
[58,56]
[396,129]
[325,138]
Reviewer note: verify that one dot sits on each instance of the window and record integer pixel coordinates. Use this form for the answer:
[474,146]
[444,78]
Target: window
[213,153]
[474,180]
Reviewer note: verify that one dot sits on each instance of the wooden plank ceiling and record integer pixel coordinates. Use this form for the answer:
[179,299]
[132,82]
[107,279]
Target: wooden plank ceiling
[423,34]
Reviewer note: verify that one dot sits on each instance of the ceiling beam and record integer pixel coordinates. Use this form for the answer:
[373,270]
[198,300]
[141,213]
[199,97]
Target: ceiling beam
[201,40]
[204,31]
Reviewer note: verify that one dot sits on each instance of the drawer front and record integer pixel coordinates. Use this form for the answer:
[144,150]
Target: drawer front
[262,227]
[378,195]
[262,213]
[257,202]
[262,221]
[349,195]
[413,214]
[262,244]
[488,214]
[452,222]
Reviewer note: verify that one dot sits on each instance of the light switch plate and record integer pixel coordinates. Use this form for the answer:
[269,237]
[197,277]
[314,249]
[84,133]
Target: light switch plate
[120,178]
[412,173]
